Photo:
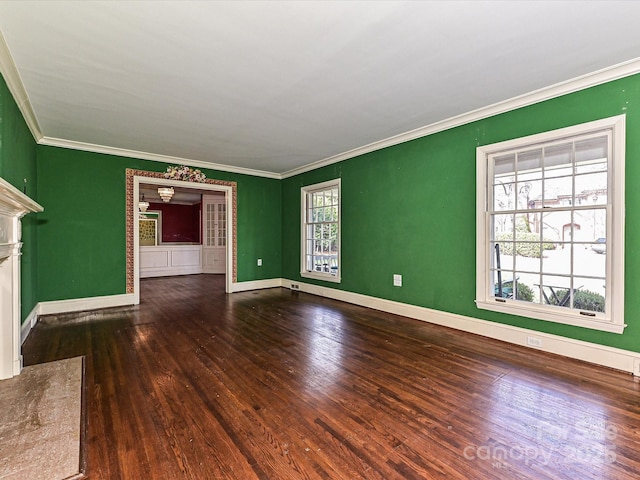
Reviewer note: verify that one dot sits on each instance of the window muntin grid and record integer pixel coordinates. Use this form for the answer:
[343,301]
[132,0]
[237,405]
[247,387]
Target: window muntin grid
[548,205]
[547,209]
[216,225]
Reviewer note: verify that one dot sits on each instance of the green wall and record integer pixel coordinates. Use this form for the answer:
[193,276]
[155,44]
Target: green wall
[407,209]
[410,209]
[17,164]
[81,236]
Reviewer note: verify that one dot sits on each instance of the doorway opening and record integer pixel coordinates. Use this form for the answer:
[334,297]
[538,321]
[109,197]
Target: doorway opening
[137,179]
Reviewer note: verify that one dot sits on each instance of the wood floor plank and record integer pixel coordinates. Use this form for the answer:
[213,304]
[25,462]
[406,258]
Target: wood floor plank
[197,384]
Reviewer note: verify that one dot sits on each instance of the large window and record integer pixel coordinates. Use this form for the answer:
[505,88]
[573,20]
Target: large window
[321,231]
[550,226]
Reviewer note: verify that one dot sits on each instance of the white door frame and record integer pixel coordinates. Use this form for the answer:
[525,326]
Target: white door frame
[228,192]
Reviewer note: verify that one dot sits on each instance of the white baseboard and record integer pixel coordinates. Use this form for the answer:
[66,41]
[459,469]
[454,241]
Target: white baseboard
[28,324]
[73,305]
[611,357]
[80,304]
[256,285]
[108,301]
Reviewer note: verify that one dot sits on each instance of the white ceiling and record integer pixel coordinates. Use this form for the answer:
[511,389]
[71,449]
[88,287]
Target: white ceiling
[274,86]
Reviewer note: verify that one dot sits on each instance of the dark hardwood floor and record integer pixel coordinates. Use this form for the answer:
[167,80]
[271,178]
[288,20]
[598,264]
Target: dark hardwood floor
[273,384]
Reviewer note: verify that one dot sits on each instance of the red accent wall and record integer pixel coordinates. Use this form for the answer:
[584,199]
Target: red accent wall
[180,223]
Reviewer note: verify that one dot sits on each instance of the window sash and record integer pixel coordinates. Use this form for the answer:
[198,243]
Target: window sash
[320,236]
[519,161]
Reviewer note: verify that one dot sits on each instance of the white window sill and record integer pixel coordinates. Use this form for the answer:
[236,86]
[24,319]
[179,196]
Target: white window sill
[559,315]
[321,276]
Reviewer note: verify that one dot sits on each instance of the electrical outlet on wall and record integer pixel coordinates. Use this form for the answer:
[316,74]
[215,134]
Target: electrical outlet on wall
[534,342]
[259,262]
[397,280]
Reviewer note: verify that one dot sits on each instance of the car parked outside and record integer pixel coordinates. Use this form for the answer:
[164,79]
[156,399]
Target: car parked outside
[600,246]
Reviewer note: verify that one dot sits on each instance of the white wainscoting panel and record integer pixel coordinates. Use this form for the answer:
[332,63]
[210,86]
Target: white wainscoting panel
[170,259]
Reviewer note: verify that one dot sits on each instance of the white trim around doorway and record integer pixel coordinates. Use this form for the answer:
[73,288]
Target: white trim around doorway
[228,194]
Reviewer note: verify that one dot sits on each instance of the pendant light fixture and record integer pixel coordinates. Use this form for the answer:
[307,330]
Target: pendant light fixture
[142,205]
[165,193]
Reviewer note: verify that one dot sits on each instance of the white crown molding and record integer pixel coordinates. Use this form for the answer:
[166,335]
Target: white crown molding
[16,87]
[603,355]
[592,79]
[123,152]
[598,77]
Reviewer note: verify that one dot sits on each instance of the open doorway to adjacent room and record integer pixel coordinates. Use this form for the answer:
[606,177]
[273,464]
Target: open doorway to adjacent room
[186,231]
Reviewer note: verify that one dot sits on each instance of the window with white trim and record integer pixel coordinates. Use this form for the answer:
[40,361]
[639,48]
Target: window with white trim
[321,231]
[550,226]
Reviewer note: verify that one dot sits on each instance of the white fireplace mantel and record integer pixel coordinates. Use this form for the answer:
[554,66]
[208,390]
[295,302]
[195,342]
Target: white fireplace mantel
[13,206]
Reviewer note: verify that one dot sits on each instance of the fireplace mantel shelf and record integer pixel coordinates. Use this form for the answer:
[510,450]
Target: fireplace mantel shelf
[15,203]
